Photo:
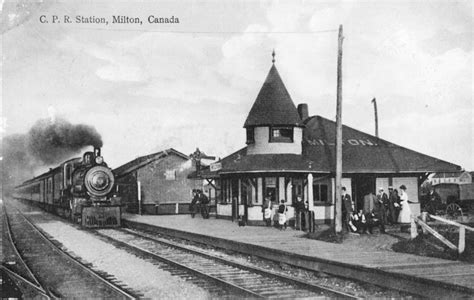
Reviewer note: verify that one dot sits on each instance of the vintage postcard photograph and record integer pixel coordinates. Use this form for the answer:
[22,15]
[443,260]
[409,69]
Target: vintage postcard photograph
[237,149]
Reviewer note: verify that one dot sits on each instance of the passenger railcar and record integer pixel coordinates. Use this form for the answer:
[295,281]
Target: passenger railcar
[80,189]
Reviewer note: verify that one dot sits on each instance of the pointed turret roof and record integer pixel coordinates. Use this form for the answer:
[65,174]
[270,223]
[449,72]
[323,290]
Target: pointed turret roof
[273,105]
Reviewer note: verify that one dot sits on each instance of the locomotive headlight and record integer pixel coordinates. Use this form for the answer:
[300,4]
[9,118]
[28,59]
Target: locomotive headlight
[99,160]
[99,181]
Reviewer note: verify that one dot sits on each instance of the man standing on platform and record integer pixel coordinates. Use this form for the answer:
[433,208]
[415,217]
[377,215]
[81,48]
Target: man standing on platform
[347,208]
[392,206]
[369,203]
[382,205]
[299,210]
[434,201]
[204,201]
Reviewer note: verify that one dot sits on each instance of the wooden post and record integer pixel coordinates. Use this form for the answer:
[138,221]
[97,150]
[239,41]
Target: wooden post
[338,200]
[310,192]
[374,101]
[462,241]
[413,229]
[423,218]
[139,191]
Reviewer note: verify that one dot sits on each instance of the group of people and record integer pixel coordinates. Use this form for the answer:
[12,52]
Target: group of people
[378,210]
[267,209]
[199,202]
[279,216]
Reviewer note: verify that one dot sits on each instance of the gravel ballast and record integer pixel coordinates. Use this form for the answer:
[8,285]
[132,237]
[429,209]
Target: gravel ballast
[132,271]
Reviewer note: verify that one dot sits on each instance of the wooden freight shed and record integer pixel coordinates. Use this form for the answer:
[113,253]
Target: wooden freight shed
[157,183]
[290,154]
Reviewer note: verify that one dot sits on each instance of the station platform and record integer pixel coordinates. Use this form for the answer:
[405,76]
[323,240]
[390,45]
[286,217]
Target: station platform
[424,276]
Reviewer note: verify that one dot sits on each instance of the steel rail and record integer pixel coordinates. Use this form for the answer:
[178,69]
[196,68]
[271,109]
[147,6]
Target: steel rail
[288,279]
[182,266]
[75,261]
[29,283]
[291,280]
[36,282]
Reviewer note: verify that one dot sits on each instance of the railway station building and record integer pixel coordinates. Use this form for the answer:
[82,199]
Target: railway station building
[290,154]
[157,183]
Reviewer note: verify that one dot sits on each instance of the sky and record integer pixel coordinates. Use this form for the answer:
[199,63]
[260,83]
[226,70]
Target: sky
[147,87]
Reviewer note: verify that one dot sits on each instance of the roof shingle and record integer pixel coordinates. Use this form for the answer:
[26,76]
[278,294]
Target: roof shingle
[273,105]
[361,153]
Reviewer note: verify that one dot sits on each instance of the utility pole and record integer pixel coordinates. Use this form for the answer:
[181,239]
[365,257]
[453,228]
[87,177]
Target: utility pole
[338,200]
[374,101]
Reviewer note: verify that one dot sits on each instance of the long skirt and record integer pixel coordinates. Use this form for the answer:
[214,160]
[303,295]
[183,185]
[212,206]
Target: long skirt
[405,213]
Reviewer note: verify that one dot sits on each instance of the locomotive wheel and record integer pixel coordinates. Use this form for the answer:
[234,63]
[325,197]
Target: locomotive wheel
[453,210]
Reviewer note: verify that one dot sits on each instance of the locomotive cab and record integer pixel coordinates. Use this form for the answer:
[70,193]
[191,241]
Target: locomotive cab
[93,158]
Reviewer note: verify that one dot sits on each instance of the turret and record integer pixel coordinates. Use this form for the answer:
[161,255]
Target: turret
[273,125]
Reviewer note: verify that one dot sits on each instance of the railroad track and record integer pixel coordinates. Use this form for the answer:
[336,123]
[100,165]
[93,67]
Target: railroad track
[238,279]
[53,271]
[25,288]
[13,264]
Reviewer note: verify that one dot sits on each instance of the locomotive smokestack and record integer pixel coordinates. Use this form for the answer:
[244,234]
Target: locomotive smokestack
[96,151]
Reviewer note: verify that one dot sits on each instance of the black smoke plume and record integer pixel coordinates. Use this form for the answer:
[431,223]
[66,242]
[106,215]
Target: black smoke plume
[46,144]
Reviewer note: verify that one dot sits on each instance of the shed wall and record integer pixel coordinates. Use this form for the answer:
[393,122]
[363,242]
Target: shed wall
[165,181]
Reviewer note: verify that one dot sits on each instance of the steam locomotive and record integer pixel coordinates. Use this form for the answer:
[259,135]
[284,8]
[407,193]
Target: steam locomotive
[80,189]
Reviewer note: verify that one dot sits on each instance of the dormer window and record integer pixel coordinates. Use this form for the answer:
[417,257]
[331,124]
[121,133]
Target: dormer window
[281,134]
[250,135]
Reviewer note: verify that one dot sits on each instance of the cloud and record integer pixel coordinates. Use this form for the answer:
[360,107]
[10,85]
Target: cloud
[155,89]
[116,63]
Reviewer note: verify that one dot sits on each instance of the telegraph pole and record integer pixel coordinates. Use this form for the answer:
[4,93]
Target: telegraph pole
[338,200]
[374,101]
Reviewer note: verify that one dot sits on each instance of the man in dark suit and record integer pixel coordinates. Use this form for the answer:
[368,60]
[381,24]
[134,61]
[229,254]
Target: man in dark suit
[347,208]
[369,202]
[433,202]
[381,207]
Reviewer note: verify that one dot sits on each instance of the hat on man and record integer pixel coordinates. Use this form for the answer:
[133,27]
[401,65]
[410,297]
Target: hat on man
[403,187]
[380,188]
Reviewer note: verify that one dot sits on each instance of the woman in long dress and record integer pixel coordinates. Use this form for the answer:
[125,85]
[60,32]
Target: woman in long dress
[405,213]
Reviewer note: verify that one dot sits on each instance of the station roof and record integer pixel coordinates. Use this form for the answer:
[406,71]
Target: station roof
[362,153]
[450,174]
[240,162]
[273,105]
[142,161]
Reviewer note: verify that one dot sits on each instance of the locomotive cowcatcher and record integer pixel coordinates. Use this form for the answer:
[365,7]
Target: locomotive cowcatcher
[80,189]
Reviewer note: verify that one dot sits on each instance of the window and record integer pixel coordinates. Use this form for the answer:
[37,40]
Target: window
[281,134]
[250,136]
[271,188]
[297,189]
[320,193]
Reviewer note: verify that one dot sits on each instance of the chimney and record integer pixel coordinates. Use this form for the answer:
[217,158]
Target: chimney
[303,111]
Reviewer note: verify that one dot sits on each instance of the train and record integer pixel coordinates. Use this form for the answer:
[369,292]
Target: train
[81,189]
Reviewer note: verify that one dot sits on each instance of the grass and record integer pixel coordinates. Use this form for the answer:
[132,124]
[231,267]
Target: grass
[428,245]
[327,235]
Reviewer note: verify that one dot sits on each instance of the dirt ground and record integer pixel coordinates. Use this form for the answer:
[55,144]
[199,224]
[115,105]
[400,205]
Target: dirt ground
[367,241]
